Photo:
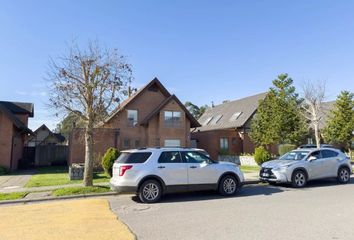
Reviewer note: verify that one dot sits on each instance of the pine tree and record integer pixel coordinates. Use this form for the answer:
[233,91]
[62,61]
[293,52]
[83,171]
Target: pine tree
[278,118]
[340,125]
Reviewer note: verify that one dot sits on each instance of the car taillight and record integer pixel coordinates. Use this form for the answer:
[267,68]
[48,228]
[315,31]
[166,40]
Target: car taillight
[123,169]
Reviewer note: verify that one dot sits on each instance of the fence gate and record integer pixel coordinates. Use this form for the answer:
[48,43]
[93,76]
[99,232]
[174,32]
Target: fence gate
[47,155]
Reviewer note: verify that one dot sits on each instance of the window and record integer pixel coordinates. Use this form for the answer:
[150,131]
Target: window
[172,119]
[126,143]
[170,157]
[316,154]
[329,154]
[224,144]
[194,157]
[132,117]
[137,143]
[235,116]
[234,141]
[216,119]
[207,121]
[172,143]
[137,157]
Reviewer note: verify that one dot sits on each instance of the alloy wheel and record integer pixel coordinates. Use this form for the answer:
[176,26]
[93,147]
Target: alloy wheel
[344,175]
[229,185]
[300,179]
[151,191]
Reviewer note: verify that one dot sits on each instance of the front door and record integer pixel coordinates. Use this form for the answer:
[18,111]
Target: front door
[200,171]
[316,165]
[172,169]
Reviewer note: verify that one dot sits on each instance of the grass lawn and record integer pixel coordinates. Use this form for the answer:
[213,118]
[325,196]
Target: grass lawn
[250,168]
[79,190]
[12,196]
[59,175]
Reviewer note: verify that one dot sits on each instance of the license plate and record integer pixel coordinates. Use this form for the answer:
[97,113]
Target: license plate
[265,174]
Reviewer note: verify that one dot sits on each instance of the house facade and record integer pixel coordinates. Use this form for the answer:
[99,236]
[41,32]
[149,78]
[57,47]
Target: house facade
[225,127]
[44,136]
[152,117]
[13,131]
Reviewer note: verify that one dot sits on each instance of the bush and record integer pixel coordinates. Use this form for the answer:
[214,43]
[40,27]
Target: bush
[108,159]
[3,170]
[261,155]
[284,148]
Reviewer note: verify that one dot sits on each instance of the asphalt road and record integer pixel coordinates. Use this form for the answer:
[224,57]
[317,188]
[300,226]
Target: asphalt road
[323,210]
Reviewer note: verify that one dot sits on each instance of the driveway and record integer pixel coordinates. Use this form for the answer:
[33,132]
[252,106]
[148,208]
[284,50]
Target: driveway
[14,181]
[323,210]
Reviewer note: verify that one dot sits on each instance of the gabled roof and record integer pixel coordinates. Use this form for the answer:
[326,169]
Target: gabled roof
[10,109]
[194,122]
[19,107]
[121,106]
[232,114]
[58,136]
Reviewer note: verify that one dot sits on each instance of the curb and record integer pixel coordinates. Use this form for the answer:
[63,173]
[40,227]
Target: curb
[247,182]
[57,198]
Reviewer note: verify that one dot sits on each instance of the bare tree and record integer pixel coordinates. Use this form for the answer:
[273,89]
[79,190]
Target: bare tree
[88,83]
[314,96]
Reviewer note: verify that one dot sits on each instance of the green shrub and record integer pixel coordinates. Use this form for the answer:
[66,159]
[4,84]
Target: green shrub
[108,159]
[3,170]
[284,148]
[261,155]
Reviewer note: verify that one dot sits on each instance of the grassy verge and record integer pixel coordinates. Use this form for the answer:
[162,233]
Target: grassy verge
[247,169]
[12,196]
[53,176]
[79,190]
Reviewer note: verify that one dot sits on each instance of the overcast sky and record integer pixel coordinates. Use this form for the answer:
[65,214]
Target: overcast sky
[202,51]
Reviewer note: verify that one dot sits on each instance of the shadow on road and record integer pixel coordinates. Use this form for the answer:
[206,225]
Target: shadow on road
[246,191]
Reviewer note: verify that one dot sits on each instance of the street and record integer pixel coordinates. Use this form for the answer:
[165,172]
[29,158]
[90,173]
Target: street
[323,210]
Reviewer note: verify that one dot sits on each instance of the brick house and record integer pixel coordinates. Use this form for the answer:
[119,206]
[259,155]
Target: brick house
[225,127]
[13,131]
[150,117]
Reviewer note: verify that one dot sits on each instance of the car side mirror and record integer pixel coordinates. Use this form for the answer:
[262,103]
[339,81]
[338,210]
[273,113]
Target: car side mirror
[311,158]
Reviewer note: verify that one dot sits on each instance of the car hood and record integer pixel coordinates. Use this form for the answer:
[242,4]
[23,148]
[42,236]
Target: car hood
[227,163]
[279,163]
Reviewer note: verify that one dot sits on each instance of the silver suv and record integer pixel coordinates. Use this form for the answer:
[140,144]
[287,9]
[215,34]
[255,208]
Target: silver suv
[152,172]
[301,165]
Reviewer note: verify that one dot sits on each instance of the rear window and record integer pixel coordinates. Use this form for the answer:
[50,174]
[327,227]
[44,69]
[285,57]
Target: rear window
[136,157]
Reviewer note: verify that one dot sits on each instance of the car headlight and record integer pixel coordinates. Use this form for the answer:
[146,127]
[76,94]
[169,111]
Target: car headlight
[281,169]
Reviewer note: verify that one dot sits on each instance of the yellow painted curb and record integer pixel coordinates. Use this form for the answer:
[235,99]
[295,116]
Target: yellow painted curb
[73,220]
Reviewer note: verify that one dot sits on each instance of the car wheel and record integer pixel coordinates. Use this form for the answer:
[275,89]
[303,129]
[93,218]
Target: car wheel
[343,175]
[150,191]
[228,185]
[299,179]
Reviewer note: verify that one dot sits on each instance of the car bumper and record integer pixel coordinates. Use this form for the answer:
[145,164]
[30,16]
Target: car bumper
[277,177]
[123,189]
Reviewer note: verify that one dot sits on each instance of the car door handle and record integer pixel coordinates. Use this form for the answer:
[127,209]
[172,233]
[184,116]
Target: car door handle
[193,167]
[161,167]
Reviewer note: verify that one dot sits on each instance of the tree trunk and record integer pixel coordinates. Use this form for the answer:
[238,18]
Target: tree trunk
[317,134]
[88,174]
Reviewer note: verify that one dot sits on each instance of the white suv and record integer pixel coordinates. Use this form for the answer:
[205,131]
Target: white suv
[151,172]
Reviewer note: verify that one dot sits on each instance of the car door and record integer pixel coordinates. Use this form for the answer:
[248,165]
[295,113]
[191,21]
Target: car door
[200,170]
[172,169]
[316,165]
[331,162]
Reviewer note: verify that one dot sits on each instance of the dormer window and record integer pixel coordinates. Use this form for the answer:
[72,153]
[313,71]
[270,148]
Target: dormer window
[132,116]
[235,116]
[216,119]
[207,121]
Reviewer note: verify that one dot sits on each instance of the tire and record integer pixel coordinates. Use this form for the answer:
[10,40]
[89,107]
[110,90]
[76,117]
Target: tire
[343,175]
[150,191]
[228,185]
[299,179]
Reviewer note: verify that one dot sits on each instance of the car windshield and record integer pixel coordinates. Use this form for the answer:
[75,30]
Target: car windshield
[294,155]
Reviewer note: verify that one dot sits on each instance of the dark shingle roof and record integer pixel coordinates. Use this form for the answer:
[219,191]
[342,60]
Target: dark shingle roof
[19,107]
[224,116]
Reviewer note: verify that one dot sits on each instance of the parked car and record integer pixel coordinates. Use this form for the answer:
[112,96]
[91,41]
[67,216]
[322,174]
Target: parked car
[315,146]
[153,172]
[302,165]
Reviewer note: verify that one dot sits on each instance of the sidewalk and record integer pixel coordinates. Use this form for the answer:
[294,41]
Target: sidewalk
[47,188]
[15,181]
